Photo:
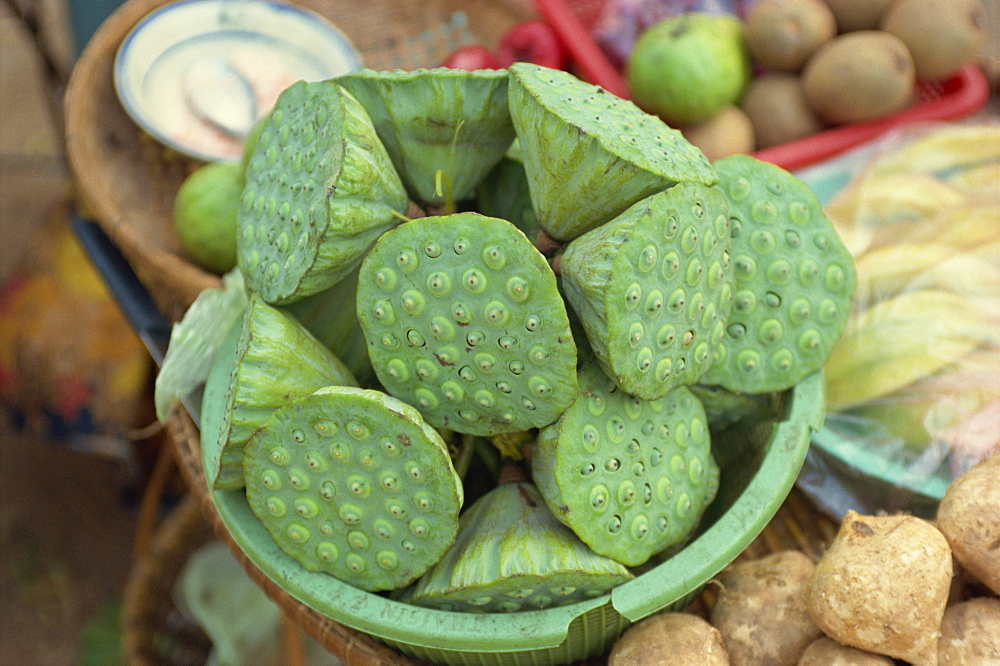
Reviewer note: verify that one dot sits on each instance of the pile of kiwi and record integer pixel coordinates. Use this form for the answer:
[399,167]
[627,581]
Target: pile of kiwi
[822,63]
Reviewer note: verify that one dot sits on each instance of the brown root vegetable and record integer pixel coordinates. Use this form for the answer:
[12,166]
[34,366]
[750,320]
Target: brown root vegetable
[827,652]
[969,517]
[883,586]
[778,109]
[761,609]
[728,132]
[675,638]
[970,633]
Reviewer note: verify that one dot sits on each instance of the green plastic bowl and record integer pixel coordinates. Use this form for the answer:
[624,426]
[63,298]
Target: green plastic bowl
[758,468]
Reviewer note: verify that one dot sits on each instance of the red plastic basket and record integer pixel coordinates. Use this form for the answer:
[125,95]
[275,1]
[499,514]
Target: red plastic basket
[961,95]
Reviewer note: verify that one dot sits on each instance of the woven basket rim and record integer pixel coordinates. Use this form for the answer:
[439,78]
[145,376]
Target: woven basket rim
[148,590]
[164,273]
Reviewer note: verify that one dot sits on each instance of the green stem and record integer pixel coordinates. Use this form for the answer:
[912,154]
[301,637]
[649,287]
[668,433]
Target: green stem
[465,454]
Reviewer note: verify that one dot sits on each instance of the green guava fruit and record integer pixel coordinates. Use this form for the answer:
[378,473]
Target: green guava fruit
[687,68]
[205,215]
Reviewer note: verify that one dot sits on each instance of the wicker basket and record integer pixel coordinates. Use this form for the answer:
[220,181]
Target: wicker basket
[796,526]
[154,631]
[127,182]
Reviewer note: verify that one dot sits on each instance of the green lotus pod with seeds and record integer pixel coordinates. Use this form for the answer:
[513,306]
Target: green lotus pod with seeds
[794,280]
[353,483]
[588,154]
[630,477]
[464,321]
[653,288]
[511,554]
[443,128]
[320,189]
[274,360]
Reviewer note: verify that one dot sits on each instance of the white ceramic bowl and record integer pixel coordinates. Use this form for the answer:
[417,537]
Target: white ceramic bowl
[197,74]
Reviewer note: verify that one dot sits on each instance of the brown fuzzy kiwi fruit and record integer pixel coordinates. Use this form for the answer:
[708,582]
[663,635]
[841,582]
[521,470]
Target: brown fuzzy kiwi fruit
[859,76]
[726,133]
[942,35]
[782,34]
[776,104]
[858,14]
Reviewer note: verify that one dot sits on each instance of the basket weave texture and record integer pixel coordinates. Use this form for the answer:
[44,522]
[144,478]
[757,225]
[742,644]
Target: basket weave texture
[127,182]
[154,630]
[796,526]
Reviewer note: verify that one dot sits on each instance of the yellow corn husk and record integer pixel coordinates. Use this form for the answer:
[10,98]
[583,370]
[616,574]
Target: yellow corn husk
[963,227]
[943,150]
[895,342]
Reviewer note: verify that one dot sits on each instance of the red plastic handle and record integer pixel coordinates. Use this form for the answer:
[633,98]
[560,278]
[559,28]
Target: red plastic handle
[969,91]
[582,47]
[965,93]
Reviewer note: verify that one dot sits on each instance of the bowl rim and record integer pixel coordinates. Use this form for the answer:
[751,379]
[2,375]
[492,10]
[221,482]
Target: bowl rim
[124,85]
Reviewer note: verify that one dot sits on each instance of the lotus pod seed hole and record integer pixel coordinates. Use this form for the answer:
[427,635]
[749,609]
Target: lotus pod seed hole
[327,551]
[615,524]
[671,265]
[355,563]
[599,497]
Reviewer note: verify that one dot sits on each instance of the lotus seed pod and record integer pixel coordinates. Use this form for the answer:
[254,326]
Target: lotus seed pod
[630,477]
[352,482]
[653,288]
[794,280]
[275,360]
[320,189]
[511,554]
[464,321]
[430,120]
[588,154]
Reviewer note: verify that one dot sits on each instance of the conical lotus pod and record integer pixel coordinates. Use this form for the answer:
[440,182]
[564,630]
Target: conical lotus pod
[794,280]
[511,554]
[353,483]
[630,477]
[320,189]
[588,154]
[275,360]
[430,120]
[653,288]
[464,321]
